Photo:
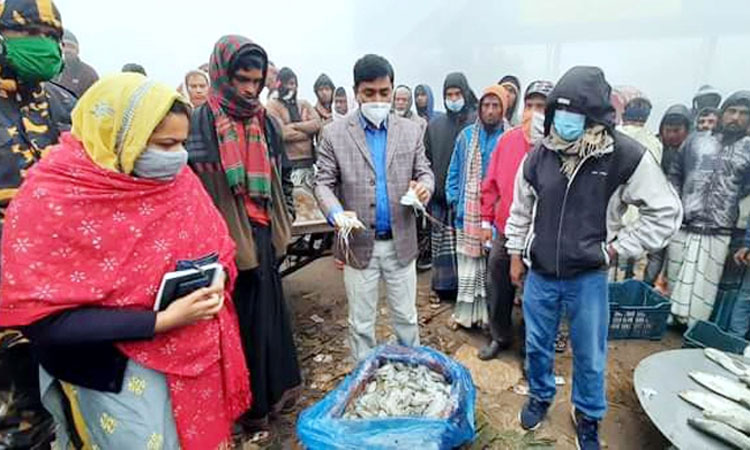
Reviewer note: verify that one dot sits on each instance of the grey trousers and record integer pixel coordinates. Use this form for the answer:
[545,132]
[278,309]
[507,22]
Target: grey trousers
[362,293]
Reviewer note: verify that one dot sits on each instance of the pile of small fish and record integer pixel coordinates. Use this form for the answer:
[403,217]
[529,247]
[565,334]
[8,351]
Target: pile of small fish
[725,416]
[401,390]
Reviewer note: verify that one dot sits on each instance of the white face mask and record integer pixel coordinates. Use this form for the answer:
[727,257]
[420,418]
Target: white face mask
[375,112]
[455,105]
[158,164]
[537,127]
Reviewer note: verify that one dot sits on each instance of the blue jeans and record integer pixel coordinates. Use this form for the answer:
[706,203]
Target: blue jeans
[740,321]
[584,299]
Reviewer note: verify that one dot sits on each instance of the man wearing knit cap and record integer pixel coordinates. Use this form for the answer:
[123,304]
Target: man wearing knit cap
[512,86]
[471,156]
[706,97]
[497,196]
[77,76]
[711,175]
[33,113]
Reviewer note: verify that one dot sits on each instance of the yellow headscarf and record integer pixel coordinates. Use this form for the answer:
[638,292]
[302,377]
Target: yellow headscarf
[117,115]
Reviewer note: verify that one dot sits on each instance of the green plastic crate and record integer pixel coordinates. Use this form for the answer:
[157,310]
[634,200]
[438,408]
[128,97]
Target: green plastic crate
[636,311]
[706,334]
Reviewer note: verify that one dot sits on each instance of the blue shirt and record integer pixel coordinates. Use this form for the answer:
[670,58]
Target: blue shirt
[455,181]
[377,142]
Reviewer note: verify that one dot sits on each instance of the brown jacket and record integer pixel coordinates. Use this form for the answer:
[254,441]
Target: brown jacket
[298,137]
[345,166]
[203,148]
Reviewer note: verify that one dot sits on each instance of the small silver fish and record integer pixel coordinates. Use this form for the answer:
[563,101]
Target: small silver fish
[723,386]
[736,367]
[705,400]
[721,431]
[737,418]
[401,390]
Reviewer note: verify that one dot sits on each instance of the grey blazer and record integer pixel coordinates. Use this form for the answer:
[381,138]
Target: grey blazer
[345,167]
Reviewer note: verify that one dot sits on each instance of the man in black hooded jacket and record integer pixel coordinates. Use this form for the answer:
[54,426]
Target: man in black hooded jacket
[440,137]
[566,219]
[673,130]
[712,174]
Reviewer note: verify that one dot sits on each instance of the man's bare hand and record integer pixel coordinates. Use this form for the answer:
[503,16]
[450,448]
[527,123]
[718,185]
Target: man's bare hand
[486,235]
[422,193]
[741,256]
[517,270]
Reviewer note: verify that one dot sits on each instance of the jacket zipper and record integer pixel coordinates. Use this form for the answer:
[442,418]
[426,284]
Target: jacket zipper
[562,212]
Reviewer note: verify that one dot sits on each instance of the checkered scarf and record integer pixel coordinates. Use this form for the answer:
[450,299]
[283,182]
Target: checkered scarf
[239,128]
[470,243]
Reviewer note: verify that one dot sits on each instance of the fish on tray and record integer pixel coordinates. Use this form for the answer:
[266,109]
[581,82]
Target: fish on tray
[731,364]
[724,386]
[737,418]
[708,401]
[721,431]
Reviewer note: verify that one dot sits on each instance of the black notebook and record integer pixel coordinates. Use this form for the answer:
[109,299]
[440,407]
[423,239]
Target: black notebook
[180,283]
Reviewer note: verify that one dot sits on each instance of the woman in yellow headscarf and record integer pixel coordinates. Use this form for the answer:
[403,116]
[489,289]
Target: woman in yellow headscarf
[90,235]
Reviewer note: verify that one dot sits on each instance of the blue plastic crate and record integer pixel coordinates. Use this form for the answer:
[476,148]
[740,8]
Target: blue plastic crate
[706,334]
[636,311]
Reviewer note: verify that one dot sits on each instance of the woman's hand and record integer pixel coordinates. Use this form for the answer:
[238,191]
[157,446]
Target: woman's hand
[202,304]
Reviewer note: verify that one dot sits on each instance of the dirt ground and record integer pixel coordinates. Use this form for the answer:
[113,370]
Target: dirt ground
[316,296]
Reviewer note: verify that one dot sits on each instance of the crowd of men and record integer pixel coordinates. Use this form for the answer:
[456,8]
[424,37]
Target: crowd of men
[533,206]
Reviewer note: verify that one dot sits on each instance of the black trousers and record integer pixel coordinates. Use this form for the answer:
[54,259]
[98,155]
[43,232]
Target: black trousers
[266,331]
[500,291]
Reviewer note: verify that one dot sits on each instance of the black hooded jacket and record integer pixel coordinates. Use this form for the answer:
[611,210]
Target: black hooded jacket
[670,153]
[583,89]
[565,225]
[712,174]
[441,132]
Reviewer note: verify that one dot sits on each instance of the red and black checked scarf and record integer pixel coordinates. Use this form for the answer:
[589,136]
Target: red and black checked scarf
[239,127]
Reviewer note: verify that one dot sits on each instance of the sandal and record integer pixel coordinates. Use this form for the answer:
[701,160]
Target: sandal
[288,407]
[255,431]
[561,342]
[434,301]
[260,437]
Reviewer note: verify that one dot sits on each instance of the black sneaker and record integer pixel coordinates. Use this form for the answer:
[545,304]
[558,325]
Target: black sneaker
[587,431]
[532,414]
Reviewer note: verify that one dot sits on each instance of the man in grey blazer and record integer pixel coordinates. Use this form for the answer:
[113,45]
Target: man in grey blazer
[365,164]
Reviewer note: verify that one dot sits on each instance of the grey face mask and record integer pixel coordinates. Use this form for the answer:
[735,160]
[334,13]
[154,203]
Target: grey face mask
[157,164]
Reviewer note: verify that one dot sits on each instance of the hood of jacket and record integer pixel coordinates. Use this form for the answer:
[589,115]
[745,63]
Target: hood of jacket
[582,88]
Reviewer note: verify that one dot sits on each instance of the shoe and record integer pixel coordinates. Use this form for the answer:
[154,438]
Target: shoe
[489,351]
[494,348]
[532,414]
[561,342]
[587,431]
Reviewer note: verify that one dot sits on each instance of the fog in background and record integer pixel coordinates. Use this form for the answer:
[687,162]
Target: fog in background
[666,48]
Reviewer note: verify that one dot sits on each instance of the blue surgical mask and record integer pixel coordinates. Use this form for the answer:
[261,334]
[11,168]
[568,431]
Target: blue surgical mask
[157,164]
[569,125]
[455,105]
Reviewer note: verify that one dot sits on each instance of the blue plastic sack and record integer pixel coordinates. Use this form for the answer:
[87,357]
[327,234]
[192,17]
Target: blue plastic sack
[322,427]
